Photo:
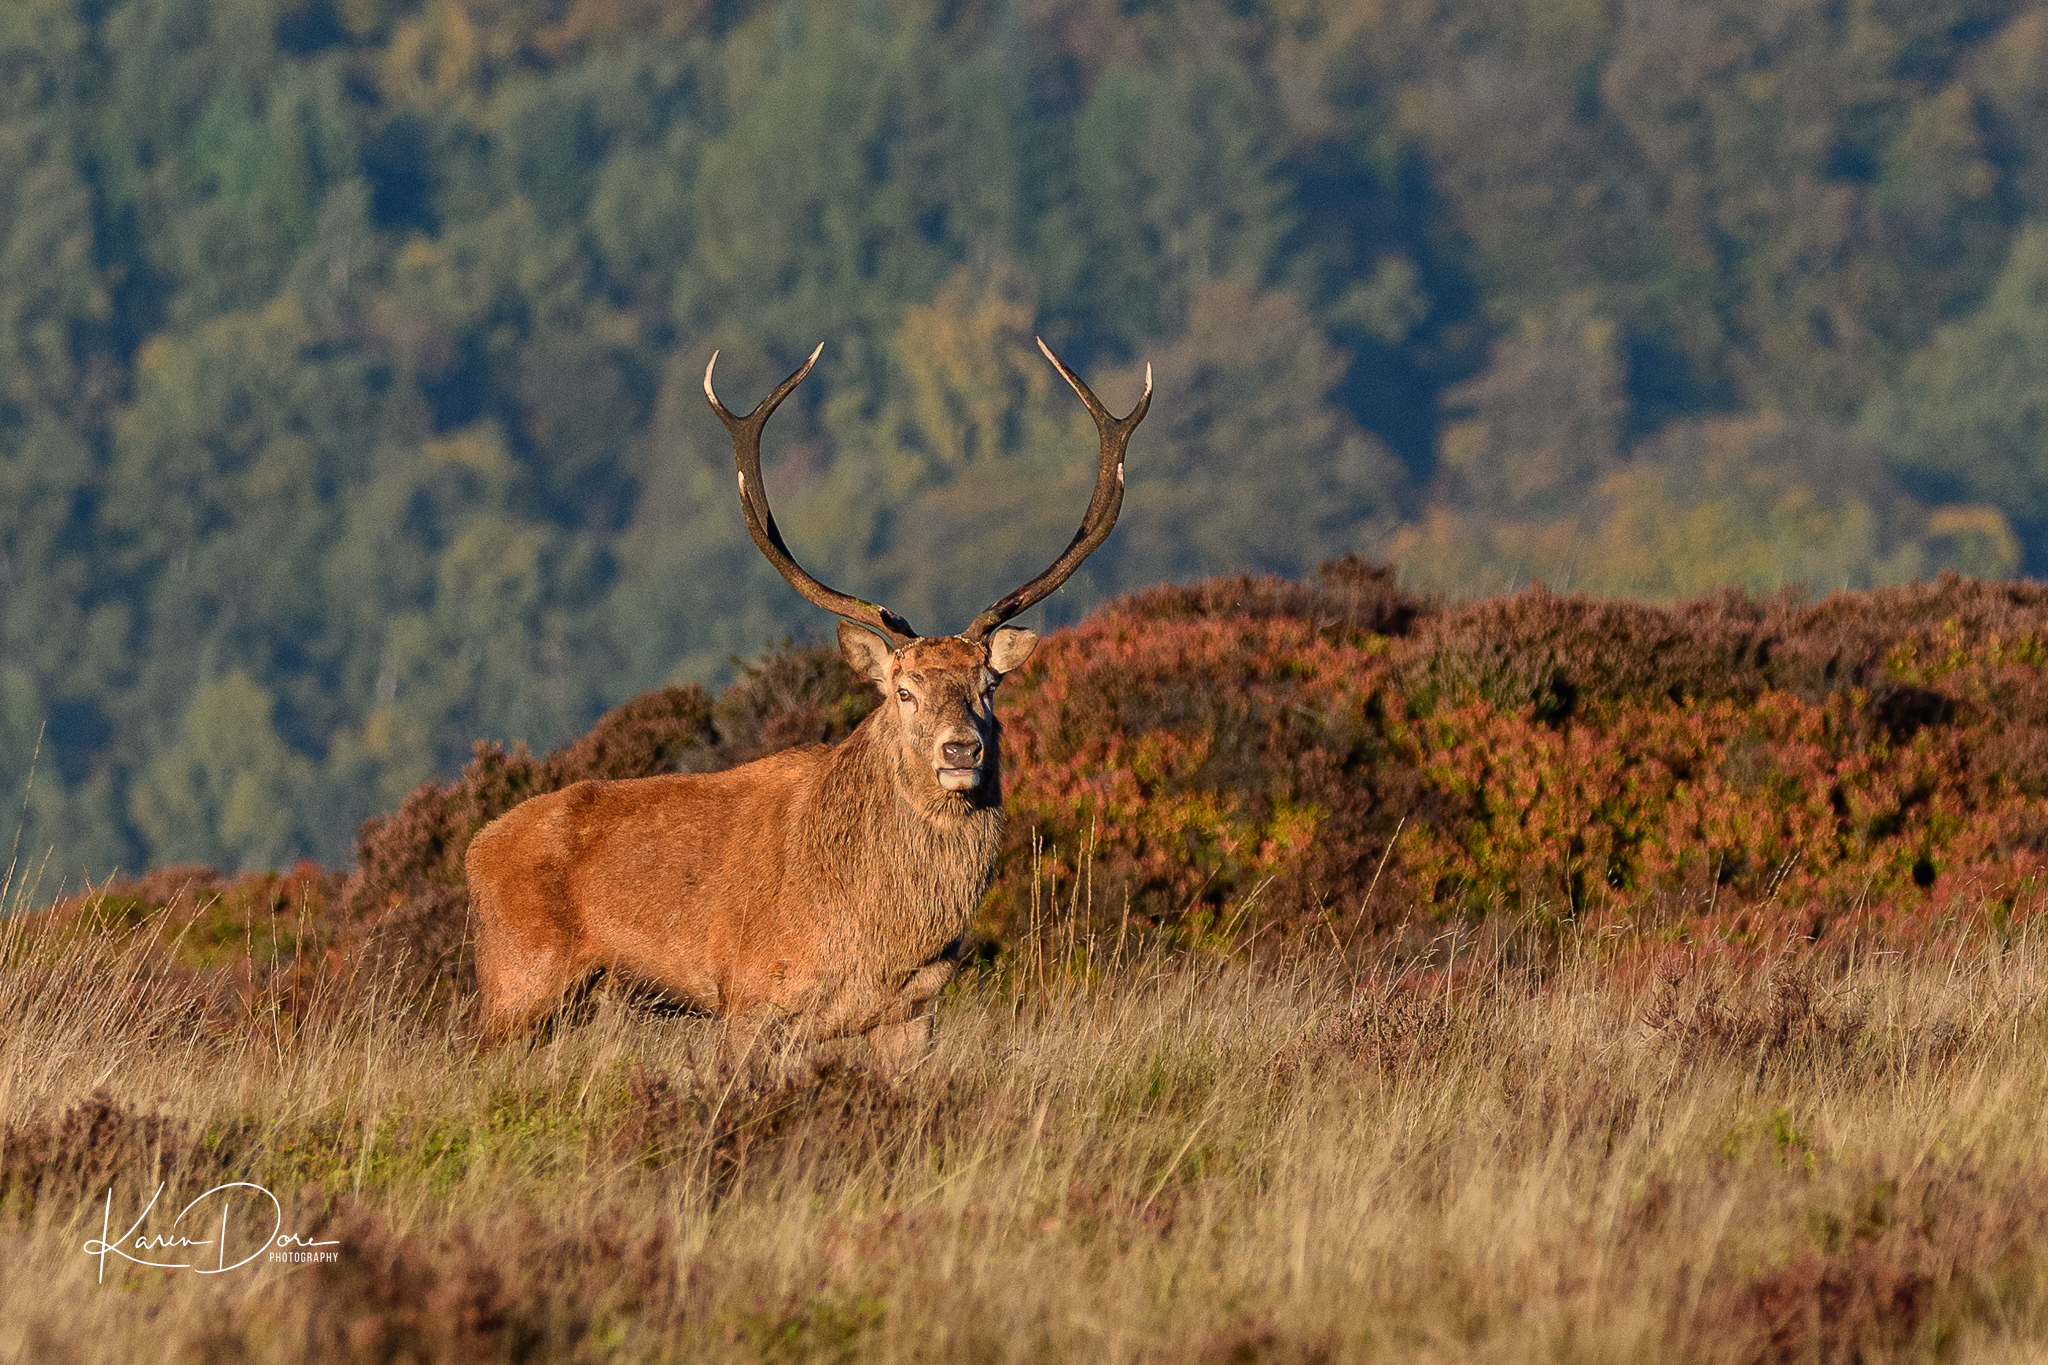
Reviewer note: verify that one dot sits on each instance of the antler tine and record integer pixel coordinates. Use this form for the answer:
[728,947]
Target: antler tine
[746,451]
[1102,507]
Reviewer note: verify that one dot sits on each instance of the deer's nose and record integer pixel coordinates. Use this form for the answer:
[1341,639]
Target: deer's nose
[961,753]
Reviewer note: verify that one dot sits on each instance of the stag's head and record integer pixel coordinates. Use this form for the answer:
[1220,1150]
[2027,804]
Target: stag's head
[941,697]
[942,688]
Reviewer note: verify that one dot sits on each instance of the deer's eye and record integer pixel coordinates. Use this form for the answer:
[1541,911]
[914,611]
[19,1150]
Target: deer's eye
[903,694]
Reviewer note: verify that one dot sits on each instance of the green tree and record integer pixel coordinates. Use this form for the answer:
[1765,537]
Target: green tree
[986,457]
[1761,503]
[1177,182]
[692,590]
[1543,423]
[1968,417]
[228,790]
[862,160]
[1252,464]
[2009,76]
[259,166]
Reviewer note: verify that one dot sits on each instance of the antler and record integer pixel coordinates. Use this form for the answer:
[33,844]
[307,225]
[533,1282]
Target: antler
[746,451]
[1102,508]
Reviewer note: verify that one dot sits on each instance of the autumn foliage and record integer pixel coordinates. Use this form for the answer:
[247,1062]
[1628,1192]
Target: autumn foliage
[1722,767]
[1338,759]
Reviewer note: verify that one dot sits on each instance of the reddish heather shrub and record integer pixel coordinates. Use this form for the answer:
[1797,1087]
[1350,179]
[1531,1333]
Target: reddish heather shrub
[1894,1260]
[513,1284]
[398,1296]
[853,1117]
[792,695]
[1396,1028]
[230,946]
[1350,596]
[1852,1307]
[1338,758]
[1257,1343]
[1558,656]
[1201,759]
[72,1161]
[1554,653]
[193,892]
[1245,751]
[1786,1014]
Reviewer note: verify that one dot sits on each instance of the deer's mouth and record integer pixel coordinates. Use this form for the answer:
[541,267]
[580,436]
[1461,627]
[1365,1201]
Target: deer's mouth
[960,779]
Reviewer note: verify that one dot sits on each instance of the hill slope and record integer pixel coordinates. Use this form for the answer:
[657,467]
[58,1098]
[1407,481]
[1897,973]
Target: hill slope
[1335,759]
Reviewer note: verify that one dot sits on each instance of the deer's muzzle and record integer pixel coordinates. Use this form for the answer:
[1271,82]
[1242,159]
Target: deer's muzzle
[960,765]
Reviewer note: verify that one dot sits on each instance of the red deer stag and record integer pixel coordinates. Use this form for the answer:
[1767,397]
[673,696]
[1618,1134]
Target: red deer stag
[824,889]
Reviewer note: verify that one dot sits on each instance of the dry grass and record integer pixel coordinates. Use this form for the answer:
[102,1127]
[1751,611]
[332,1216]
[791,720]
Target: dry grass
[1158,1157]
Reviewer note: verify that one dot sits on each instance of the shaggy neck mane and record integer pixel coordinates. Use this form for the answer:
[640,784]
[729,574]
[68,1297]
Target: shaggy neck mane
[906,848]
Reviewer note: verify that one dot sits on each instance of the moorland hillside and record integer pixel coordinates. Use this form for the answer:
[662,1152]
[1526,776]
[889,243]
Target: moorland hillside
[1335,759]
[1540,978]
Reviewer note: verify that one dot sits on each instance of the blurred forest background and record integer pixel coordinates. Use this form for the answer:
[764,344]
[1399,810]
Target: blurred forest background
[350,349]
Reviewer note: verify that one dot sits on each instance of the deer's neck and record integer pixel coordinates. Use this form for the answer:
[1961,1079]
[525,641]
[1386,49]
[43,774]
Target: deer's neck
[912,864]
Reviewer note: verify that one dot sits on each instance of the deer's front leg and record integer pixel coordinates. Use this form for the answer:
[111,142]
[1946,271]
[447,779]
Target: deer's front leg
[902,1037]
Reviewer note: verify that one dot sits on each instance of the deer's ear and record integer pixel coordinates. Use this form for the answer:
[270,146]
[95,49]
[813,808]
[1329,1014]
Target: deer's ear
[864,652]
[1009,647]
